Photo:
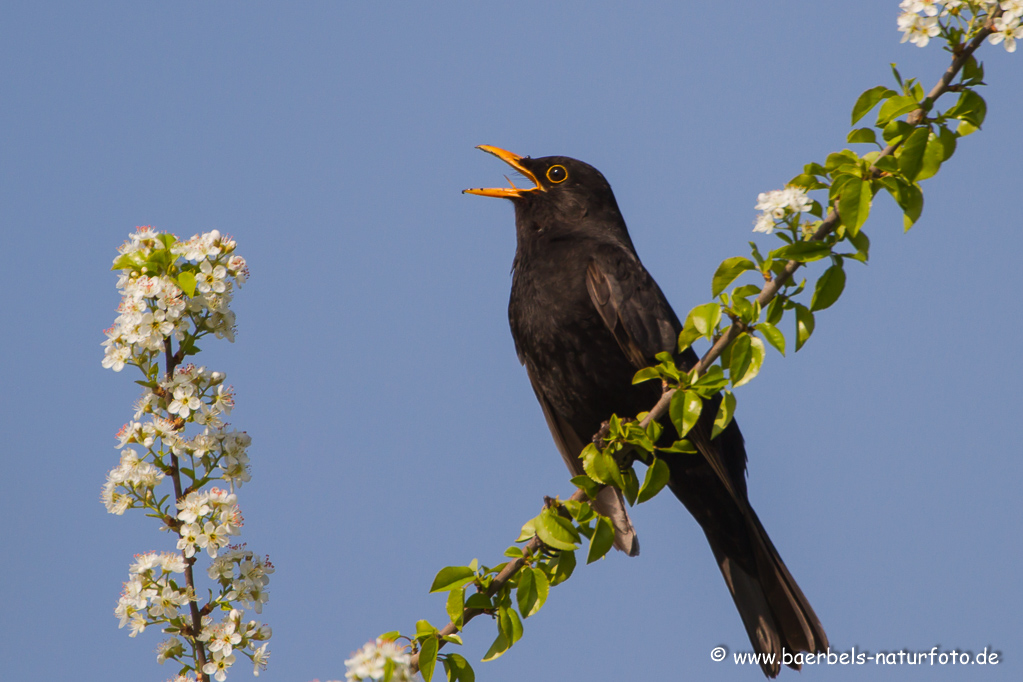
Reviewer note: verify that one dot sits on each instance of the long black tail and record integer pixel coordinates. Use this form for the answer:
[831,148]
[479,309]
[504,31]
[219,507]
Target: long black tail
[774,610]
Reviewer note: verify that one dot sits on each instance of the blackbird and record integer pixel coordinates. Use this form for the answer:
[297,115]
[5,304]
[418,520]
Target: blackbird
[586,315]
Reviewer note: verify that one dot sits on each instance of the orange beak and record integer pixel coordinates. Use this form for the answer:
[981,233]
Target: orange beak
[513,192]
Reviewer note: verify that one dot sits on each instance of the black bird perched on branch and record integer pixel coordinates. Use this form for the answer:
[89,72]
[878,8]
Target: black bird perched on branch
[586,315]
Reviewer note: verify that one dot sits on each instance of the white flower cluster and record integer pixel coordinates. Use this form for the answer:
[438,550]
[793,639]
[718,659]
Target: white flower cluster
[173,293]
[194,394]
[208,520]
[919,21]
[1007,27]
[153,306]
[780,204]
[243,577]
[133,479]
[150,595]
[368,662]
[224,638]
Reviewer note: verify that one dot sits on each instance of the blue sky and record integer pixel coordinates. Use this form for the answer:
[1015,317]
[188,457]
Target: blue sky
[394,431]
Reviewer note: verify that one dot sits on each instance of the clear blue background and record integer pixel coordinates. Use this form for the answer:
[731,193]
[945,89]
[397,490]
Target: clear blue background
[394,430]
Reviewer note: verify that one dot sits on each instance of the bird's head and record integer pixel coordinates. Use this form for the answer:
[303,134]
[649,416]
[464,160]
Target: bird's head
[567,195]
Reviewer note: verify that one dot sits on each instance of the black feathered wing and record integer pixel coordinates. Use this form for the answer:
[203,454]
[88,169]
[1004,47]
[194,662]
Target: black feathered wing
[609,500]
[774,610]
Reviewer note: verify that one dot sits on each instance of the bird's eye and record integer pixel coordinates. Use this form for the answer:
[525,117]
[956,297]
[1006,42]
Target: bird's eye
[557,174]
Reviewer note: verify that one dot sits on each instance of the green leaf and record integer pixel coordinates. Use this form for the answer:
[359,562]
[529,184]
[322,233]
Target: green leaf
[862,244]
[587,484]
[887,163]
[681,446]
[580,511]
[126,261]
[948,142]
[563,569]
[556,531]
[867,101]
[836,160]
[934,155]
[854,204]
[388,669]
[911,199]
[646,374]
[684,410]
[966,128]
[456,604]
[510,623]
[806,181]
[829,287]
[711,381]
[911,155]
[532,591]
[528,531]
[705,318]
[498,648]
[478,601]
[428,658]
[186,280]
[804,252]
[804,325]
[739,358]
[895,106]
[391,635]
[726,273]
[862,136]
[970,108]
[898,77]
[896,131]
[602,540]
[973,70]
[773,336]
[458,669]
[525,594]
[657,475]
[756,361]
[742,308]
[724,416]
[451,577]
[425,629]
[598,465]
[776,309]
[814,169]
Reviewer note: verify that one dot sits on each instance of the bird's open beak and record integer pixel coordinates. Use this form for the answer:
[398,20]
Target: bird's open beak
[513,192]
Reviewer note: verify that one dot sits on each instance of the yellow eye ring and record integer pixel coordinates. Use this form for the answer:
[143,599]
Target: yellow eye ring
[557,174]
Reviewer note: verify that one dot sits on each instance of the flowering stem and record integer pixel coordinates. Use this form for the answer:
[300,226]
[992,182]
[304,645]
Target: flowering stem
[831,222]
[175,474]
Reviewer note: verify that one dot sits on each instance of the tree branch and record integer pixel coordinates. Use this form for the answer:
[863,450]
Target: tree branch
[510,569]
[770,290]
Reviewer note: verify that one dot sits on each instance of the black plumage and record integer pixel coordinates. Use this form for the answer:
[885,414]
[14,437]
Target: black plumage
[586,315]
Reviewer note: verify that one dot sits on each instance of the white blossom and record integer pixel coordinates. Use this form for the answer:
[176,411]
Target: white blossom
[928,7]
[917,29]
[368,662]
[777,205]
[1006,28]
